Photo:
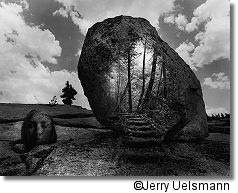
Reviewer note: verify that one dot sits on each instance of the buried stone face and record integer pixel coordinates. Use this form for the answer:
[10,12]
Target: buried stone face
[38,129]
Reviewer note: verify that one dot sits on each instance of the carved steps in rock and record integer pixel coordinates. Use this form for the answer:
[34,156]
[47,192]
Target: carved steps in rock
[137,123]
[131,116]
[142,141]
[139,128]
[145,133]
[135,119]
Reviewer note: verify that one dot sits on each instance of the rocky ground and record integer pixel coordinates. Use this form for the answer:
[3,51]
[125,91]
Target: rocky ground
[96,152]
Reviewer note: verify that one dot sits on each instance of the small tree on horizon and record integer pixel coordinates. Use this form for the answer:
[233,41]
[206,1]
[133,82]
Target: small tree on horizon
[68,94]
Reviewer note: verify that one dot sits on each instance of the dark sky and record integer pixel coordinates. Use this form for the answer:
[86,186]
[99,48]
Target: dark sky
[52,32]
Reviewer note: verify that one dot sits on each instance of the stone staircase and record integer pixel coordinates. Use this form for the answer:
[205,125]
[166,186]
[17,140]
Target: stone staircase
[142,140]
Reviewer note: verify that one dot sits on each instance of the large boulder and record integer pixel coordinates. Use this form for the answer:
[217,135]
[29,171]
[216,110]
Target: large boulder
[172,94]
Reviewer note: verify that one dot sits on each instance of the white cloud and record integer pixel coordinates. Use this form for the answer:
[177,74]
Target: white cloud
[184,51]
[217,81]
[92,11]
[17,36]
[192,25]
[213,111]
[180,20]
[83,24]
[62,12]
[169,19]
[209,11]
[214,41]
[23,48]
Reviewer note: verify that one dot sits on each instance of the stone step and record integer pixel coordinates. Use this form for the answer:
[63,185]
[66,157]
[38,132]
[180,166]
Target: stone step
[147,133]
[125,113]
[142,142]
[142,122]
[140,128]
[132,116]
[135,119]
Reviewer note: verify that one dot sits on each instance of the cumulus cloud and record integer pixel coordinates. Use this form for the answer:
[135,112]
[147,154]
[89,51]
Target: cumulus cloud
[180,20]
[62,12]
[84,13]
[18,37]
[218,80]
[69,10]
[208,11]
[23,49]
[169,19]
[185,51]
[214,41]
[213,111]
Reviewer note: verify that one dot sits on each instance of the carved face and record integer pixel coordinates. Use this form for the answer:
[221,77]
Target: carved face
[40,125]
[37,129]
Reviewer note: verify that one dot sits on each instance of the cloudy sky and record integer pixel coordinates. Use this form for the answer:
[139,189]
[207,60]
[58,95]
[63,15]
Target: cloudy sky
[41,40]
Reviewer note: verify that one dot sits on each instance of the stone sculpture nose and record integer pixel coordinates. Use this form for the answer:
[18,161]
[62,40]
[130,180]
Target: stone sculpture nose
[39,129]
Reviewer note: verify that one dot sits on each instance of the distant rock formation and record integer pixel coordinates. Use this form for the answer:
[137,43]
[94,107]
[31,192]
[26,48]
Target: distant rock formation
[126,67]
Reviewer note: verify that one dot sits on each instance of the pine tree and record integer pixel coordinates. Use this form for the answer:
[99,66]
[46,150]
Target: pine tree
[68,94]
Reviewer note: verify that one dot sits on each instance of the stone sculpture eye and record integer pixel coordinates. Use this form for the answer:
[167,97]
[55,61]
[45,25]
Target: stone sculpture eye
[32,124]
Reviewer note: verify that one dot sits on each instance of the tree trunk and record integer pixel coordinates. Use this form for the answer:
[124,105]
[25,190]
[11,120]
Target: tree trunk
[143,77]
[118,84]
[164,76]
[124,92]
[129,80]
[152,79]
[118,107]
[160,78]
